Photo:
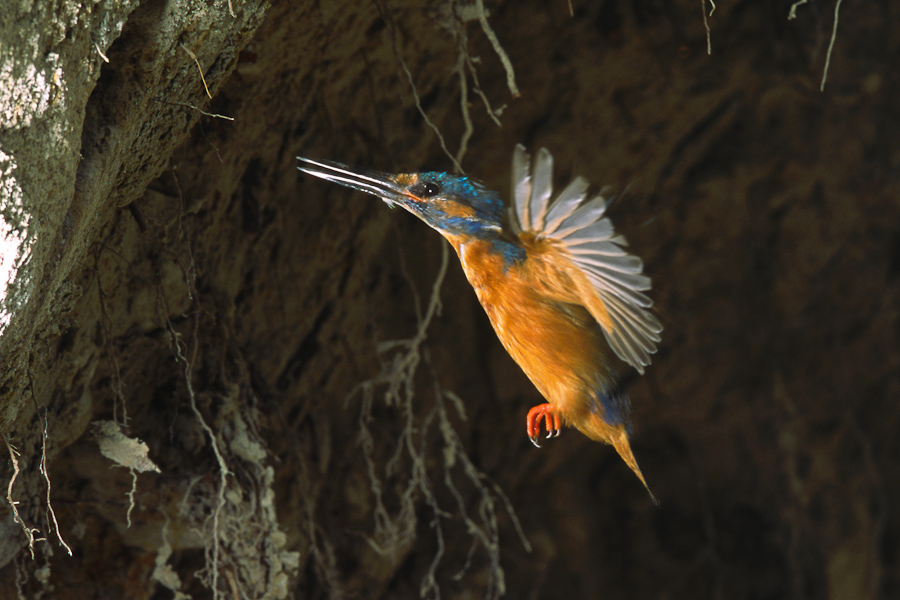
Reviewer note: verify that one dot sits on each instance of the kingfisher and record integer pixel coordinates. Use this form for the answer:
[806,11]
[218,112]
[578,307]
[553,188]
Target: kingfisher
[553,276]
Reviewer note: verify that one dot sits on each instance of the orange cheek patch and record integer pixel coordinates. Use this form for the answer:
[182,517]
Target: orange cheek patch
[455,209]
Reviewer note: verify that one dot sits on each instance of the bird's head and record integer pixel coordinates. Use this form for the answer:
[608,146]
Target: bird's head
[457,207]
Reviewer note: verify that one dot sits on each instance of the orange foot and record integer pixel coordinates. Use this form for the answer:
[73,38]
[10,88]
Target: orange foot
[551,418]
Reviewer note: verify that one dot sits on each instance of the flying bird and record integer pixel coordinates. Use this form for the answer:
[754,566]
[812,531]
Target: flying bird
[554,277]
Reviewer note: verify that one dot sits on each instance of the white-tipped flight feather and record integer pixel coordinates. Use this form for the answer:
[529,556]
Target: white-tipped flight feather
[589,241]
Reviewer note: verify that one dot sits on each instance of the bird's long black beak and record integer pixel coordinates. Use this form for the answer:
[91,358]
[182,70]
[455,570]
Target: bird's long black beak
[364,180]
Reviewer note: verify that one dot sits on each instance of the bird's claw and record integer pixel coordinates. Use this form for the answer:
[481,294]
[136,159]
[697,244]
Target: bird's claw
[552,422]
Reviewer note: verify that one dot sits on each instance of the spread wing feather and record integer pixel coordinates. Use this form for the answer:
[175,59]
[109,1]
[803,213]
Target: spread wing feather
[565,205]
[541,189]
[521,185]
[587,238]
[589,213]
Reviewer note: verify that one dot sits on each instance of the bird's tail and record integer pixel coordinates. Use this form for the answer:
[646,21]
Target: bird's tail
[616,435]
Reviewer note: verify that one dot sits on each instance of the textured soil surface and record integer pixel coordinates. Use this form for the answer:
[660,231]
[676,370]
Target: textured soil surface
[312,405]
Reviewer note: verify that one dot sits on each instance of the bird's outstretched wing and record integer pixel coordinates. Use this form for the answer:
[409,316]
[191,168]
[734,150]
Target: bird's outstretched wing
[607,279]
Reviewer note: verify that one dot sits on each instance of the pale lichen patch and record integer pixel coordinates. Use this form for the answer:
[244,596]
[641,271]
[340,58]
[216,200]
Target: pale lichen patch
[15,244]
[29,90]
[121,449]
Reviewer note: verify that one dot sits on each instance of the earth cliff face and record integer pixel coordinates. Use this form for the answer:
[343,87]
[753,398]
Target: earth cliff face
[300,390]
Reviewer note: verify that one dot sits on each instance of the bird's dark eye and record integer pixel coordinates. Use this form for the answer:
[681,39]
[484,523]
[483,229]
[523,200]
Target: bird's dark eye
[425,189]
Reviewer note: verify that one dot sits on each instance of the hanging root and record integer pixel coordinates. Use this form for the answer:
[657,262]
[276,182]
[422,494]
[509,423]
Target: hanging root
[395,530]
